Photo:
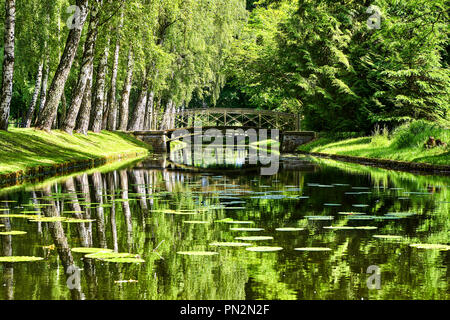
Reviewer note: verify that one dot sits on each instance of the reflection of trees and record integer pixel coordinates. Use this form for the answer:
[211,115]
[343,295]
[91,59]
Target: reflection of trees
[7,251]
[59,239]
[97,183]
[128,196]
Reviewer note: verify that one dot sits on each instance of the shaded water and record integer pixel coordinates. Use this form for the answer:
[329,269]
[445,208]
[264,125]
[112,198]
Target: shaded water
[157,213]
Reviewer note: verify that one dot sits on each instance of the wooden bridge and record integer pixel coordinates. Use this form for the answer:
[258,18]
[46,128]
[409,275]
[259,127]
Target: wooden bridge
[230,117]
[190,121]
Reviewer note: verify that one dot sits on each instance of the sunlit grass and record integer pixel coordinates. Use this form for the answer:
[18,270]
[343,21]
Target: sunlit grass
[22,149]
[406,143]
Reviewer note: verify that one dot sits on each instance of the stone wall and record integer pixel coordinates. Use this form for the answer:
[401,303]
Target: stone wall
[157,139]
[290,141]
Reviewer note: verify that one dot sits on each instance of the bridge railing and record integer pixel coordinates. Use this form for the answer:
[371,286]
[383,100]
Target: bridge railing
[236,117]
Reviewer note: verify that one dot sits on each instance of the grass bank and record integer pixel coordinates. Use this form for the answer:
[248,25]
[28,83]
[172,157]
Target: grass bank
[25,152]
[406,143]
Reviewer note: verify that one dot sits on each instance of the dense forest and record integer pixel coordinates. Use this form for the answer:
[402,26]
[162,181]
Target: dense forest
[129,64]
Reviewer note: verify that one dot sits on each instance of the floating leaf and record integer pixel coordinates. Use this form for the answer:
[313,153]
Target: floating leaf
[196,222]
[319,217]
[318,249]
[255,238]
[351,213]
[49,219]
[20,259]
[289,229]
[264,249]
[73,220]
[125,260]
[388,237]
[12,233]
[425,246]
[109,255]
[91,250]
[19,216]
[230,244]
[339,228]
[360,205]
[332,204]
[198,253]
[247,229]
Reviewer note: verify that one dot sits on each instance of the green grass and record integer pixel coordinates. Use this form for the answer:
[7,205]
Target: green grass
[406,143]
[23,149]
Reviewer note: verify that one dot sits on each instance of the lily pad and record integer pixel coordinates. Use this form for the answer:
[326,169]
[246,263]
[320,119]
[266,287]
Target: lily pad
[125,260]
[360,205]
[12,233]
[319,217]
[49,219]
[231,221]
[264,249]
[255,238]
[332,204]
[19,216]
[426,246]
[196,222]
[198,253]
[20,259]
[388,237]
[109,255]
[315,249]
[351,213]
[289,229]
[230,244]
[73,220]
[247,229]
[339,228]
[91,250]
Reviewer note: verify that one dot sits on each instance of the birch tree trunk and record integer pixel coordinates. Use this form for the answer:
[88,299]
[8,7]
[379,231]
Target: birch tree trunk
[125,103]
[97,115]
[149,111]
[137,118]
[112,103]
[167,122]
[8,64]
[43,97]
[62,73]
[85,72]
[37,90]
[85,111]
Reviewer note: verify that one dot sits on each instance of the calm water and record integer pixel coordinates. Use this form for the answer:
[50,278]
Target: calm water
[157,213]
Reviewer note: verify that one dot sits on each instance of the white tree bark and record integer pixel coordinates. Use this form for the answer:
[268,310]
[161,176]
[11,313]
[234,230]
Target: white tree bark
[8,64]
[125,103]
[37,90]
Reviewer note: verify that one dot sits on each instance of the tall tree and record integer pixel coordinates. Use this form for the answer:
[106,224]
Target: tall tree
[97,112]
[37,89]
[124,103]
[86,68]
[50,109]
[8,63]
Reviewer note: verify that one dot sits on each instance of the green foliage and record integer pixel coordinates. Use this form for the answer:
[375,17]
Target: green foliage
[320,58]
[405,143]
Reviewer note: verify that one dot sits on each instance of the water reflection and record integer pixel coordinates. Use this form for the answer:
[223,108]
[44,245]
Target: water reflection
[143,210]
